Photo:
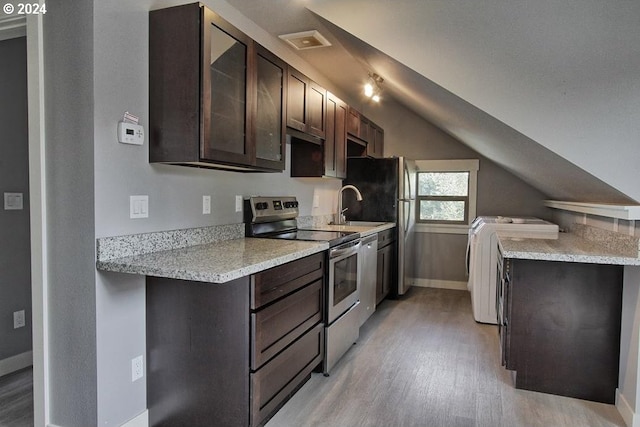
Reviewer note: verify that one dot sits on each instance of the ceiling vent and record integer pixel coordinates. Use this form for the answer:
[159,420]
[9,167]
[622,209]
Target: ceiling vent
[305,40]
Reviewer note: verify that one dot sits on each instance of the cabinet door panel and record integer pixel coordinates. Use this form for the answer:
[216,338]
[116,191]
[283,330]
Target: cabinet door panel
[296,100]
[316,107]
[340,150]
[228,89]
[225,83]
[353,122]
[270,108]
[278,325]
[330,139]
[269,285]
[271,384]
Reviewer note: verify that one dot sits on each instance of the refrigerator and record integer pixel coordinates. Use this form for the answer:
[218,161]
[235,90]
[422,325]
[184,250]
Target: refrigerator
[388,188]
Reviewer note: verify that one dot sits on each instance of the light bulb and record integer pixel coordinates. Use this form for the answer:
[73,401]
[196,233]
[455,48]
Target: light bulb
[376,98]
[368,90]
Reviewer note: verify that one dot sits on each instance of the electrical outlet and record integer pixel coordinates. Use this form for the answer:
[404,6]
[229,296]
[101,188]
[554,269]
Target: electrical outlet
[137,368]
[18,319]
[238,203]
[206,205]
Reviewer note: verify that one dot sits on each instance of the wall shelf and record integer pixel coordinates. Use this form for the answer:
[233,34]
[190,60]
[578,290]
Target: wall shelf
[626,212]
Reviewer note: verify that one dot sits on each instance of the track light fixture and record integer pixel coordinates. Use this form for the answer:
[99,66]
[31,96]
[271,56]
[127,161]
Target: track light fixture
[373,87]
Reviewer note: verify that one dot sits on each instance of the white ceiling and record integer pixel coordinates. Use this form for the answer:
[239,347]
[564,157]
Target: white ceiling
[548,89]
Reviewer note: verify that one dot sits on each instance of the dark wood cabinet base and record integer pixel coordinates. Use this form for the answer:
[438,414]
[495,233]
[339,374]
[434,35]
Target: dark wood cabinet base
[194,329]
[564,328]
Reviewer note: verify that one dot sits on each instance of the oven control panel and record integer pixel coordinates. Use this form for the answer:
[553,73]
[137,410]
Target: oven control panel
[269,209]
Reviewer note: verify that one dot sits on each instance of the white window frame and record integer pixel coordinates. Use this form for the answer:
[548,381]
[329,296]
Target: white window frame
[458,165]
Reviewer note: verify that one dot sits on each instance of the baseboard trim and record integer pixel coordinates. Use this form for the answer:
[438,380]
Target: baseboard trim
[15,363]
[625,410]
[141,420]
[442,284]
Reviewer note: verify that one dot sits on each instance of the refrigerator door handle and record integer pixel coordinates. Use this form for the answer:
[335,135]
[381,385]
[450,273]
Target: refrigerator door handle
[407,215]
[407,195]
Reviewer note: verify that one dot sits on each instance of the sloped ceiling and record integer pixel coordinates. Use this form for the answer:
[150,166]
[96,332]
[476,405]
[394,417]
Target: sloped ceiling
[550,90]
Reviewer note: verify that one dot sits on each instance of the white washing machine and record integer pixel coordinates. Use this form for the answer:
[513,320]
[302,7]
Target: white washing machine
[482,256]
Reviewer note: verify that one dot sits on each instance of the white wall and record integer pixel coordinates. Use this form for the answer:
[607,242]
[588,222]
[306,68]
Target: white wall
[69,154]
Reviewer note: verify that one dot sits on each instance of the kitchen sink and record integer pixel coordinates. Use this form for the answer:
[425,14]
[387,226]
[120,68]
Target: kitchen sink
[364,223]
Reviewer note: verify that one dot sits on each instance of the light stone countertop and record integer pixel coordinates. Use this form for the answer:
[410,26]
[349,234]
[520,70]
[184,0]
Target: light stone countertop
[568,247]
[364,230]
[217,262]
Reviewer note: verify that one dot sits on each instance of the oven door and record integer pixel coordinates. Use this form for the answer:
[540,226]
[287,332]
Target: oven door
[343,279]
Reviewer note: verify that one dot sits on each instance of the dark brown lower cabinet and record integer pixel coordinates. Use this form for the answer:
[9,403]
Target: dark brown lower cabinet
[563,327]
[287,332]
[232,354]
[386,265]
[197,353]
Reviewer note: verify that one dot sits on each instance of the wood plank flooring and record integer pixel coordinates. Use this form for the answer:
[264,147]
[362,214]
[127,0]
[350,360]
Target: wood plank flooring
[420,361]
[423,361]
[16,399]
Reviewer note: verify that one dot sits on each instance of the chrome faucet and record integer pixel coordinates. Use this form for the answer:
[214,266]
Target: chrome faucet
[340,219]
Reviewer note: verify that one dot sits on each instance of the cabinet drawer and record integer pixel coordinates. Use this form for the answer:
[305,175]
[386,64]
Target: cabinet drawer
[267,286]
[281,323]
[386,237]
[275,381]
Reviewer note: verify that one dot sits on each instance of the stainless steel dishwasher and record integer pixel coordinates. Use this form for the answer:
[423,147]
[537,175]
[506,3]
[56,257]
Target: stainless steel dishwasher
[368,275]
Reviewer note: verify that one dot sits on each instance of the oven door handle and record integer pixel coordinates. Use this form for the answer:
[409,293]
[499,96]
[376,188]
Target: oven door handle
[344,252]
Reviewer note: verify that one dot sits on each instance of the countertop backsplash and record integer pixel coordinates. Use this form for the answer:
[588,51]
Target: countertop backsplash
[138,244]
[109,248]
[616,242]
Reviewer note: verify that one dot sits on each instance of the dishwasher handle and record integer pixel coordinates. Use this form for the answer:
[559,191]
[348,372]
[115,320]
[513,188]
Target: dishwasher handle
[367,240]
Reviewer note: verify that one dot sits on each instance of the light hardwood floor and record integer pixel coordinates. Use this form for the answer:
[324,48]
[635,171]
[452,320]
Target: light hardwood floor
[16,399]
[423,361]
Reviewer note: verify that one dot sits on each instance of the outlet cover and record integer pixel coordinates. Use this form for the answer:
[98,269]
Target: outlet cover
[13,201]
[238,203]
[137,368]
[206,205]
[18,319]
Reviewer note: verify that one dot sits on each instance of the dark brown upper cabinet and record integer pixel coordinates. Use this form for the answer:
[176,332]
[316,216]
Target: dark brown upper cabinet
[363,131]
[326,158]
[306,105]
[375,145]
[216,97]
[270,114]
[335,143]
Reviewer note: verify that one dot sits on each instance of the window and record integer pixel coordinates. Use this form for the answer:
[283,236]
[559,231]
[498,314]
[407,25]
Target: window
[443,197]
[446,192]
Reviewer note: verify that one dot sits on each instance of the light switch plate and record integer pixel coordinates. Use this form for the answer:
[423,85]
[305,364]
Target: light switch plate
[206,205]
[13,201]
[238,203]
[138,207]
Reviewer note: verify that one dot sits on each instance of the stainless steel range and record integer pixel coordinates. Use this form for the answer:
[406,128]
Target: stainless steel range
[276,218]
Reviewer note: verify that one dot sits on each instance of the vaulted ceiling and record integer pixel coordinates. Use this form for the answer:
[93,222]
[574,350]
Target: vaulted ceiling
[548,89]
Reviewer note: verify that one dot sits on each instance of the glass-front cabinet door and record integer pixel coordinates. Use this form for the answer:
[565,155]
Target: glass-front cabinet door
[225,92]
[270,112]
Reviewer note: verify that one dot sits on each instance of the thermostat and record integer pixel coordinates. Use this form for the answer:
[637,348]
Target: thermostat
[129,133]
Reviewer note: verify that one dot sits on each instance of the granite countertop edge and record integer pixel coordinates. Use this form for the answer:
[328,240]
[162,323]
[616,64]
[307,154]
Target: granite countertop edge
[567,248]
[218,262]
